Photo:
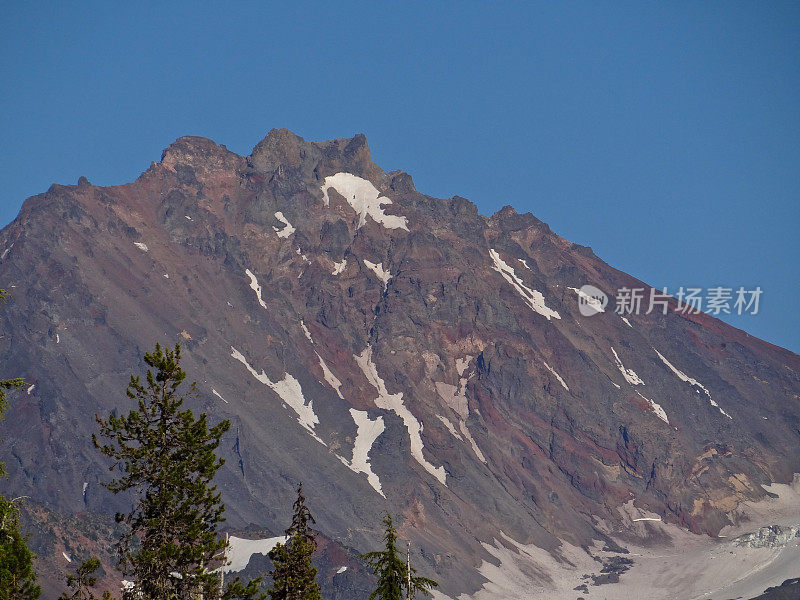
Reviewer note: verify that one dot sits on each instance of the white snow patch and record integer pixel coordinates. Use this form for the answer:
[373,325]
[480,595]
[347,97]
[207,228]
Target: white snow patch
[524,262]
[287,229]
[450,427]
[141,246]
[65,555]
[240,550]
[691,381]
[188,218]
[629,374]
[341,570]
[364,198]
[58,339]
[330,378]
[461,367]
[327,374]
[514,573]
[556,375]
[379,271]
[30,389]
[534,298]
[338,267]
[217,394]
[596,305]
[166,275]
[4,254]
[647,519]
[628,323]
[289,391]
[454,397]
[660,413]
[367,432]
[468,435]
[394,402]
[462,364]
[255,287]
[457,400]
[127,585]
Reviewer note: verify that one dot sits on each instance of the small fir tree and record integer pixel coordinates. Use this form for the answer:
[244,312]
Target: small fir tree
[294,576]
[395,582]
[82,581]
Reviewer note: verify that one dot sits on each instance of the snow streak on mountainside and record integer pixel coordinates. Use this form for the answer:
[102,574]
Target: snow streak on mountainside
[392,351]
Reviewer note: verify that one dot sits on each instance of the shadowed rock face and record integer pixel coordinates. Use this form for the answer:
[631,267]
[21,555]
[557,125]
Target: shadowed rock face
[392,350]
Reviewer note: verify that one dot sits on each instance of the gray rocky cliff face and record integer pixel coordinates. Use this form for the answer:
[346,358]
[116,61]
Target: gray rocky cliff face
[392,350]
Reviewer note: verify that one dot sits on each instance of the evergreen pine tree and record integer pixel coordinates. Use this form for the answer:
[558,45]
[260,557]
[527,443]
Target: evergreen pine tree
[293,575]
[392,570]
[17,577]
[82,582]
[173,550]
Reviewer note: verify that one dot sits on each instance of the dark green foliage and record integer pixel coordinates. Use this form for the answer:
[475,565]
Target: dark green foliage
[392,571]
[82,582]
[236,590]
[301,519]
[17,578]
[165,455]
[7,384]
[293,575]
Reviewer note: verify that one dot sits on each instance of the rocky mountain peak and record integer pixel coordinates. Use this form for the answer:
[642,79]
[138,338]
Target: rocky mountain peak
[392,351]
[282,151]
[198,153]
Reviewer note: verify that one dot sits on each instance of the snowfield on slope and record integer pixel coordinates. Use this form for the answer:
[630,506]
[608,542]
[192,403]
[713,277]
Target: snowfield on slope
[338,267]
[289,390]
[657,408]
[533,298]
[556,375]
[629,374]
[240,550]
[365,199]
[254,285]
[287,229]
[679,565]
[380,272]
[691,381]
[455,397]
[394,402]
[368,430]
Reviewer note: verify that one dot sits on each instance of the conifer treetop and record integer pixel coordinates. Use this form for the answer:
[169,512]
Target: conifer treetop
[395,581]
[301,518]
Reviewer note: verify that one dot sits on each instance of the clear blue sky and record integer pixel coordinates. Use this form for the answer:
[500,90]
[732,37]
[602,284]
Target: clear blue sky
[664,135]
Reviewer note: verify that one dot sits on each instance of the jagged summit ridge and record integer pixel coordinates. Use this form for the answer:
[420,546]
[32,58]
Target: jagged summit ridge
[392,350]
